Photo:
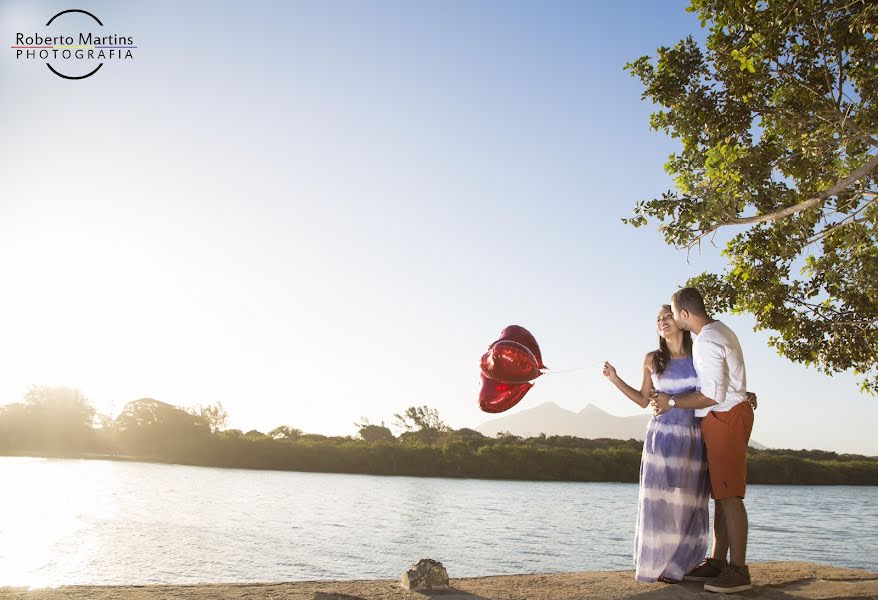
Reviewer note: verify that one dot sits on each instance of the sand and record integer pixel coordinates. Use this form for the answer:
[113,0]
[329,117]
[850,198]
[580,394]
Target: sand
[775,580]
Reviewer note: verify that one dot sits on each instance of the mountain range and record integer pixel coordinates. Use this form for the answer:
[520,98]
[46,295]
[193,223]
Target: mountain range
[591,423]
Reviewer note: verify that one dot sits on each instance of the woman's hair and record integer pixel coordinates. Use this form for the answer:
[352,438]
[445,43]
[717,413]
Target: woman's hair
[662,356]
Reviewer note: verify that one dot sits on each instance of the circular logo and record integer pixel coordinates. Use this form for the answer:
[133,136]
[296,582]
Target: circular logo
[77,56]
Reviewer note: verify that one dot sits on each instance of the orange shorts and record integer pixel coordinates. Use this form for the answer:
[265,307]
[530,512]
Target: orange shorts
[725,436]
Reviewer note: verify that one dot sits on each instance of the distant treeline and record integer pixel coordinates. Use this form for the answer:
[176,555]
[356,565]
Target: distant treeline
[61,422]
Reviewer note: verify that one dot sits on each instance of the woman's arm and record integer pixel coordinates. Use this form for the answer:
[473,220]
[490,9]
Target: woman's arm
[641,398]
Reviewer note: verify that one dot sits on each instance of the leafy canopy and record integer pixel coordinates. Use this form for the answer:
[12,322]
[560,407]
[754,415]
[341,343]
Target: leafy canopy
[420,418]
[778,121]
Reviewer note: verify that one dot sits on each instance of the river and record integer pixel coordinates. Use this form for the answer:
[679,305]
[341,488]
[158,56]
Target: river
[105,522]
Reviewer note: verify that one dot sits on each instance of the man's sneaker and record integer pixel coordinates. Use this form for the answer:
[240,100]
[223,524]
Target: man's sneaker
[732,579]
[706,571]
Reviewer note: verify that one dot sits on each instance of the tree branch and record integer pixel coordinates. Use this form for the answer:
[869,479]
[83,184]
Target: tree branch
[819,311]
[832,229]
[791,210]
[863,171]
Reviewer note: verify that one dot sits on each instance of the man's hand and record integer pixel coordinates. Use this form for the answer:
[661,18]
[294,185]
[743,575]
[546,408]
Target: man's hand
[751,398]
[659,403]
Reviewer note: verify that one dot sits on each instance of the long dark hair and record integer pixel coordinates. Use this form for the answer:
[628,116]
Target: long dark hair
[662,356]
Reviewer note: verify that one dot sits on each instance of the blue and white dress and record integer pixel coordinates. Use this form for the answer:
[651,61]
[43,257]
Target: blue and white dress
[672,518]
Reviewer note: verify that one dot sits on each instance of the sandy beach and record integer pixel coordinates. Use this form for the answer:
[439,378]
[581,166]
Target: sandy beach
[774,580]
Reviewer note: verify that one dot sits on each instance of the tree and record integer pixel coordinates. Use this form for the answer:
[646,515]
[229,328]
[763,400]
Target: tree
[62,403]
[285,432]
[417,418]
[374,433]
[214,414]
[778,120]
[59,418]
[16,431]
[506,438]
[155,427]
[422,425]
[235,434]
[472,438]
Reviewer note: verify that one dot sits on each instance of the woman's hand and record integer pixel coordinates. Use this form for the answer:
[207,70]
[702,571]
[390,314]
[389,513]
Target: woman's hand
[609,371]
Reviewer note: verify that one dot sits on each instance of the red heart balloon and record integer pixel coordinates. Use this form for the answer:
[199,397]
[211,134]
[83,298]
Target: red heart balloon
[510,362]
[517,333]
[497,396]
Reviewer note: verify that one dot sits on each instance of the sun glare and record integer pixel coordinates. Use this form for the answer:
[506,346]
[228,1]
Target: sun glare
[45,509]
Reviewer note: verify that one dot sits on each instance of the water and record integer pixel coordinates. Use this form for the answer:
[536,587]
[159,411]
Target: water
[103,522]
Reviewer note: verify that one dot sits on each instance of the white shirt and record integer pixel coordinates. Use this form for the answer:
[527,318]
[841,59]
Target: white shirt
[719,363]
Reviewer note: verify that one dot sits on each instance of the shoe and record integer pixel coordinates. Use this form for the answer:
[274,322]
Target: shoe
[708,570]
[732,579]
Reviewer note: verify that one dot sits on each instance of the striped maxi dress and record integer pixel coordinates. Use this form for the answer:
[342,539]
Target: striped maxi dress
[671,536]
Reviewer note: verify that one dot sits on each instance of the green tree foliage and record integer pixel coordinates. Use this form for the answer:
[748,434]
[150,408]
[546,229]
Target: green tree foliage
[53,418]
[778,120]
[152,427]
[417,418]
[285,432]
[374,433]
[15,428]
[470,437]
[422,424]
[214,415]
[153,430]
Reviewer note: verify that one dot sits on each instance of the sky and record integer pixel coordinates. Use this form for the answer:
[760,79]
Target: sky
[317,212]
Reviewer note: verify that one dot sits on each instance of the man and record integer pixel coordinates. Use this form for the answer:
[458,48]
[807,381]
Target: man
[727,420]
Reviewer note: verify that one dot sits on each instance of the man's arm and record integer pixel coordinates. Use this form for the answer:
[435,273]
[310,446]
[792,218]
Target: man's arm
[712,381]
[690,400]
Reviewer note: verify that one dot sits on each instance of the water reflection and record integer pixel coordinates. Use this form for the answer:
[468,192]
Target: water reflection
[69,522]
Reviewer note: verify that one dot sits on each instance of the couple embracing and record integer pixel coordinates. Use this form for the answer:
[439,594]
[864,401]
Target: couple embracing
[695,448]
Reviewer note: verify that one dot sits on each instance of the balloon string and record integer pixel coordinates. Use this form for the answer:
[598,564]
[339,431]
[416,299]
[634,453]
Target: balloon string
[553,371]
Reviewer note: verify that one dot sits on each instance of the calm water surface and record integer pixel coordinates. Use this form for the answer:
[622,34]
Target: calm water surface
[103,522]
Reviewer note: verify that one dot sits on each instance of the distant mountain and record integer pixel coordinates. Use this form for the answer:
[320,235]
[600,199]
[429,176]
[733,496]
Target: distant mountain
[591,423]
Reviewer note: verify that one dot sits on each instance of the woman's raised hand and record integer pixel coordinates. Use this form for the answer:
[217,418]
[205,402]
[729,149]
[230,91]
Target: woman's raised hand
[609,370]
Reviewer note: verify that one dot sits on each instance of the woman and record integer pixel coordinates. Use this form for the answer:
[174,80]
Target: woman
[672,519]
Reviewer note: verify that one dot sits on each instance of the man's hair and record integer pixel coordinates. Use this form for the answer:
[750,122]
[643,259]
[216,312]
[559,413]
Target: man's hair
[690,299]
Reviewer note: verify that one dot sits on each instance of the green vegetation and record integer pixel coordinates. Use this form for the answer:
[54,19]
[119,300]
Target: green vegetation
[777,117]
[61,422]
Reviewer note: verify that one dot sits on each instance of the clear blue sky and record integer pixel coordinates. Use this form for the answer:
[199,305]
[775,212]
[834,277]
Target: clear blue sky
[315,212]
